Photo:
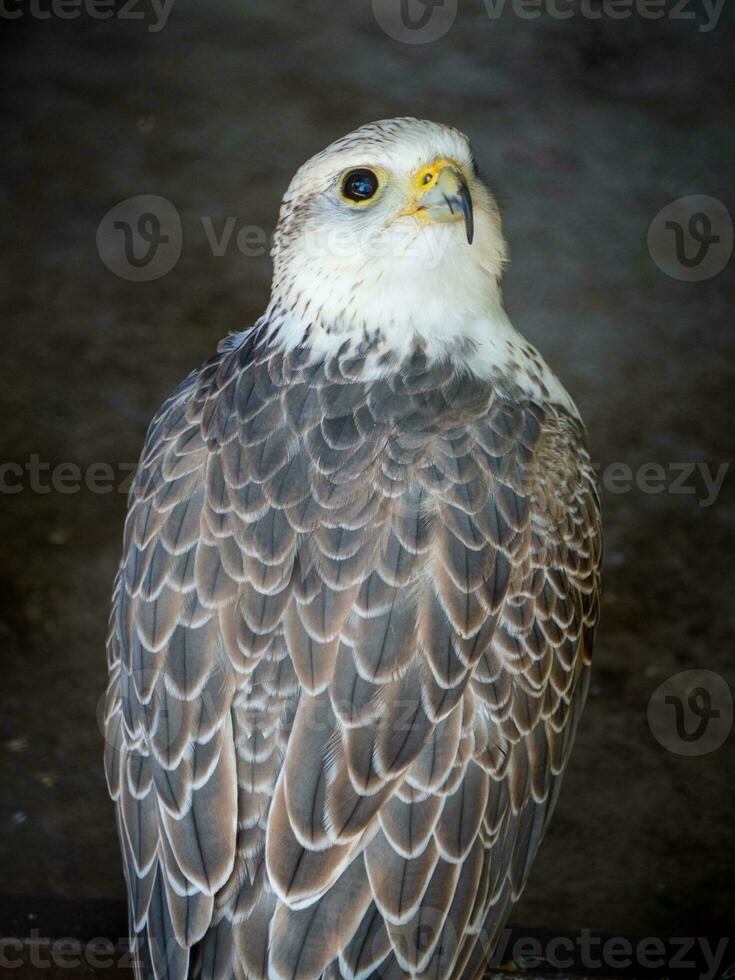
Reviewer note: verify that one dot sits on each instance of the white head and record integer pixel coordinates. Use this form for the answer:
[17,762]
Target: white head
[389,239]
[373,240]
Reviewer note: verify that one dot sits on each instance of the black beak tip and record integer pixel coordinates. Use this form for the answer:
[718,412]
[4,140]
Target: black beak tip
[469,222]
[466,204]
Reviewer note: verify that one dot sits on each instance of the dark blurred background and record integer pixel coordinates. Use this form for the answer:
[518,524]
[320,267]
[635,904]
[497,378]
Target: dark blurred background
[585,128]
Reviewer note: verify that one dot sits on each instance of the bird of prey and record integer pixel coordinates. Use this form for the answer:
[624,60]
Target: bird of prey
[352,627]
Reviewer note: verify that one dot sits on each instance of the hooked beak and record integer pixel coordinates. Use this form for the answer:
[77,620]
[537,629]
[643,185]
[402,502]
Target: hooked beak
[448,199]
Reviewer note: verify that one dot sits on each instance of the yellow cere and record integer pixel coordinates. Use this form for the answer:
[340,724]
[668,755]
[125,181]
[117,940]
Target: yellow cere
[426,177]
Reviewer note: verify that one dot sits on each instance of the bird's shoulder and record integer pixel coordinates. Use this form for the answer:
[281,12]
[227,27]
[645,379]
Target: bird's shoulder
[415,409]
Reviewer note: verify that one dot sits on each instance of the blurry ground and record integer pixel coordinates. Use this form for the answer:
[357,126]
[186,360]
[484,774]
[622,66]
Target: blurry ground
[585,129]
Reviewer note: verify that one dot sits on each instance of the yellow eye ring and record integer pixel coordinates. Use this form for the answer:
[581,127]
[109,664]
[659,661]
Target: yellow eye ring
[360,185]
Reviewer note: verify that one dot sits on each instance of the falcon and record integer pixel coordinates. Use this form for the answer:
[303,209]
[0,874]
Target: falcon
[351,631]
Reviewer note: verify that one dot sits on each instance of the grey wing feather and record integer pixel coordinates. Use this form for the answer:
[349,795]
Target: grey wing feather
[350,646]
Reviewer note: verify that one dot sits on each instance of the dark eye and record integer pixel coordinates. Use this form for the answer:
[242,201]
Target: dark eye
[359,185]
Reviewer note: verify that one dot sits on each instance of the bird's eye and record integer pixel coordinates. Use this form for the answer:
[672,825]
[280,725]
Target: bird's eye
[360,185]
